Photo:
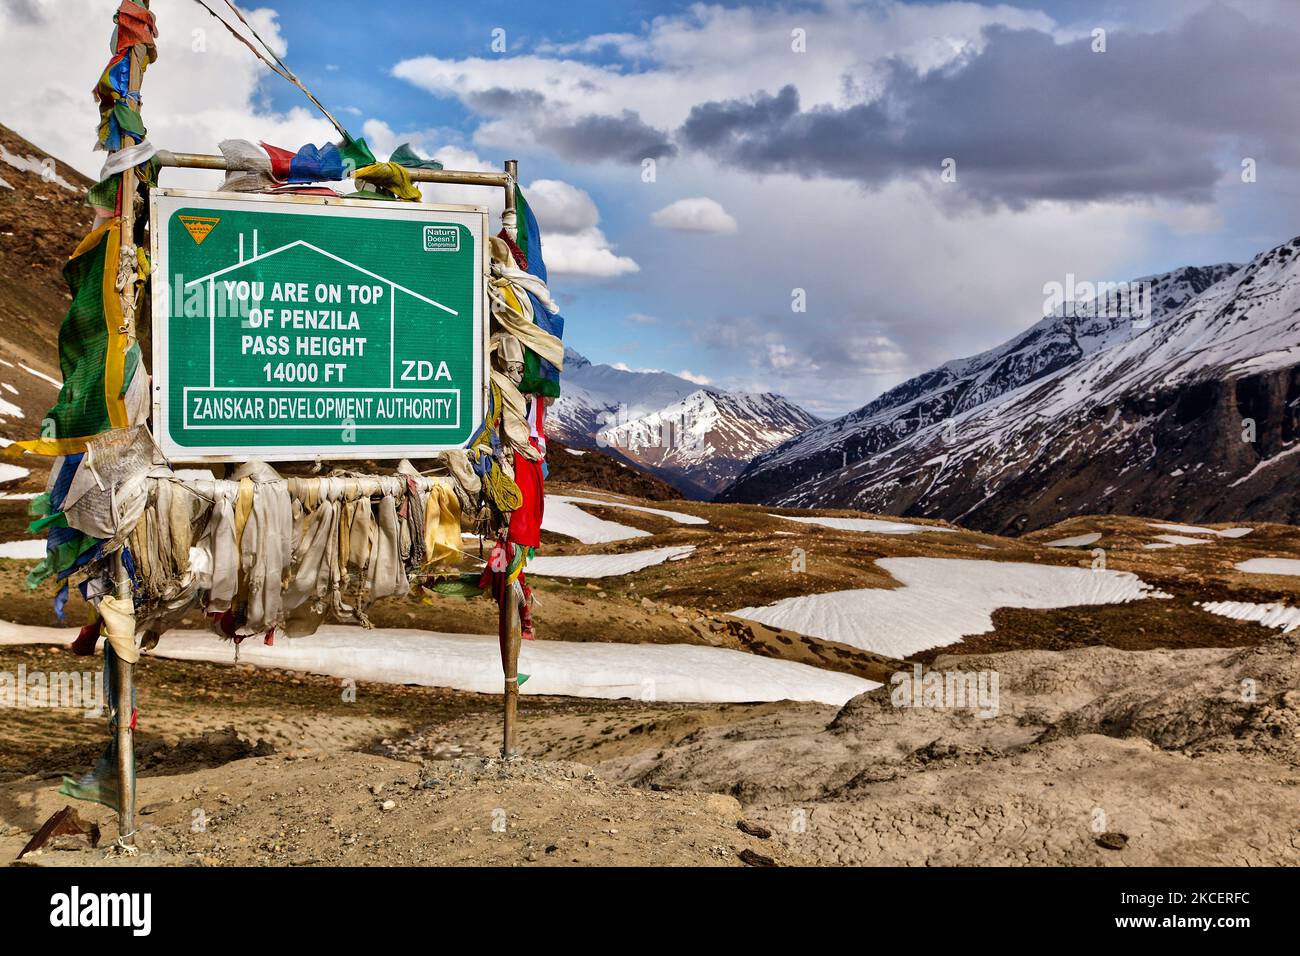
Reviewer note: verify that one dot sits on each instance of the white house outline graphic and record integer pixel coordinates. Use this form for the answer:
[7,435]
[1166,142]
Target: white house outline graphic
[392,299]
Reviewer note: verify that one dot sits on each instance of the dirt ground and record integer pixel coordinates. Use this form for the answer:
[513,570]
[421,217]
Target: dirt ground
[1123,734]
[1095,757]
[237,766]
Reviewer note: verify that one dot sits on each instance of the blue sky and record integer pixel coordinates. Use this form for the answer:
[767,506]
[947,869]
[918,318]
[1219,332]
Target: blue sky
[777,169]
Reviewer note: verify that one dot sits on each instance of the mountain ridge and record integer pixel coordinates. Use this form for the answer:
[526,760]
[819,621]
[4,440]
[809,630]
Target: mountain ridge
[1048,345]
[1069,440]
[696,437]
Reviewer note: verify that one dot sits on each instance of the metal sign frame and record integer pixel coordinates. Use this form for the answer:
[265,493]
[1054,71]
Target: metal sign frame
[303,205]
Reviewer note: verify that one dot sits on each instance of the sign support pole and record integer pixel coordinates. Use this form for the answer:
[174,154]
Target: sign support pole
[510,608]
[125,674]
[124,670]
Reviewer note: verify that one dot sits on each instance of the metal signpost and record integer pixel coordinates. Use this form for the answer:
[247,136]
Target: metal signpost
[303,327]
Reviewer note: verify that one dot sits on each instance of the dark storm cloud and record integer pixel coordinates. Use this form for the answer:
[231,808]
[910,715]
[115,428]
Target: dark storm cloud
[501,100]
[625,138]
[1157,115]
[23,11]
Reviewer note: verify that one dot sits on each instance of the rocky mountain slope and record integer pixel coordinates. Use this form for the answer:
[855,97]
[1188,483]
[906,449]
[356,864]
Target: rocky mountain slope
[697,439]
[1077,417]
[42,218]
[704,441]
[595,396]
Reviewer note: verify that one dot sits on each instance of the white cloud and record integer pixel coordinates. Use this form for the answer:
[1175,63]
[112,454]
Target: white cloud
[698,214]
[571,237]
[573,243]
[561,207]
[204,87]
[692,377]
[585,253]
[684,373]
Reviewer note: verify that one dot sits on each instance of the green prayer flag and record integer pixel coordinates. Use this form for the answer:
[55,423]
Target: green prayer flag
[405,156]
[356,154]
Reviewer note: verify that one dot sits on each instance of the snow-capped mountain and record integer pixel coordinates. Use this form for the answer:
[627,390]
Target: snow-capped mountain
[703,441]
[1077,416]
[594,396]
[697,439]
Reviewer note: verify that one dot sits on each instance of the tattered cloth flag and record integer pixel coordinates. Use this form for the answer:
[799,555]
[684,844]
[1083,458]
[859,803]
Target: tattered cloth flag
[391,180]
[540,376]
[310,164]
[404,155]
[119,108]
[104,381]
[100,784]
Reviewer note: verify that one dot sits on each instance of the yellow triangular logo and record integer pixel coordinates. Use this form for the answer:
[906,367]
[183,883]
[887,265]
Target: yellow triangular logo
[199,226]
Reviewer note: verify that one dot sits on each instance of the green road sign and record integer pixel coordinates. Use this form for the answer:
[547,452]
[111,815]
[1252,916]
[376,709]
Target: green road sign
[295,327]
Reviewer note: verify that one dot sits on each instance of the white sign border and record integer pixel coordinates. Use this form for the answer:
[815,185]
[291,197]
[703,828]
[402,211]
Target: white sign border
[475,218]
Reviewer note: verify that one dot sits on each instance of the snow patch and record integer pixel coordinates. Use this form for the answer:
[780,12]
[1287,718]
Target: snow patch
[676,516]
[1269,615]
[1174,541]
[604,565]
[942,601]
[1078,541]
[41,375]
[31,164]
[1270,566]
[561,517]
[28,549]
[871,525]
[472,662]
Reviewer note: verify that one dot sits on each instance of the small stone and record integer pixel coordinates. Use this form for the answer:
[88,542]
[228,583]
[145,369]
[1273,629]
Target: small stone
[1113,840]
[754,829]
[388,805]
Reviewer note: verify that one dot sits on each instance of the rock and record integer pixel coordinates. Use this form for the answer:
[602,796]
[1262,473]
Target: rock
[1112,840]
[754,829]
[750,858]
[388,805]
[722,805]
